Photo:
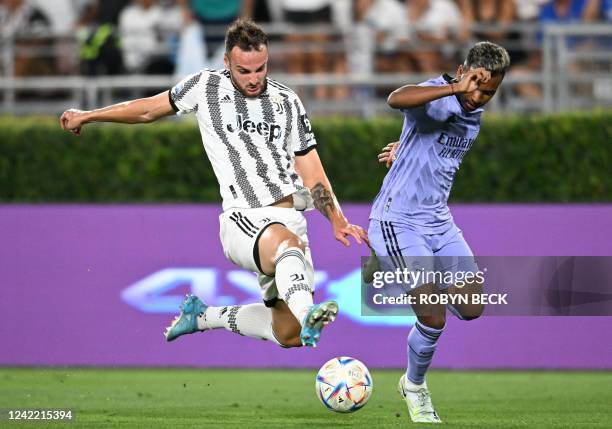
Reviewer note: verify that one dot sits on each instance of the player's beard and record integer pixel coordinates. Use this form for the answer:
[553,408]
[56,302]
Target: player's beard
[243,91]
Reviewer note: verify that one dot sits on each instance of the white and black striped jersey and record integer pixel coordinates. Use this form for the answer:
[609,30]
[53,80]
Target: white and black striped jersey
[251,142]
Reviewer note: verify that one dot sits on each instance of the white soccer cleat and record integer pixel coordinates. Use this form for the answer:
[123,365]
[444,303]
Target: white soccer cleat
[418,399]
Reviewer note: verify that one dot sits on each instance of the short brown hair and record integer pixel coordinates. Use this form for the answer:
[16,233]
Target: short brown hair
[245,34]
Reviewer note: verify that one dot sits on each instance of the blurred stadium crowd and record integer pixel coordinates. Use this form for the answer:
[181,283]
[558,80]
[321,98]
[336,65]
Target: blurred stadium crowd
[326,40]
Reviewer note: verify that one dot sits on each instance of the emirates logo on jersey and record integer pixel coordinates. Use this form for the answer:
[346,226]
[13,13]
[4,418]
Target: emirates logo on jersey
[269,131]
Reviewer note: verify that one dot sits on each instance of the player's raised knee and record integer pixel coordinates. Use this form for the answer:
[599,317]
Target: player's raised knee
[433,321]
[474,312]
[290,241]
[275,240]
[290,245]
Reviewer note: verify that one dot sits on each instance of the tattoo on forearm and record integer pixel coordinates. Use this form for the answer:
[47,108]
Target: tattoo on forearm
[323,199]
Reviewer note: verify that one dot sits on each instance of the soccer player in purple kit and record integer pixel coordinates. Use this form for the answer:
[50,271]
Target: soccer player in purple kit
[410,216]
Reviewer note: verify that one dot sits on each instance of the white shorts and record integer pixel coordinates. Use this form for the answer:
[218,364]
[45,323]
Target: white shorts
[240,230]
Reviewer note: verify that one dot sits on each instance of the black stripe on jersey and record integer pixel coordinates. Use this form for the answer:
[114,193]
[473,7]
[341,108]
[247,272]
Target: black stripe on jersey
[268,114]
[301,130]
[176,109]
[394,243]
[214,109]
[233,191]
[247,221]
[193,81]
[239,225]
[276,84]
[390,253]
[260,165]
[397,246]
[240,221]
[287,139]
[394,248]
[305,151]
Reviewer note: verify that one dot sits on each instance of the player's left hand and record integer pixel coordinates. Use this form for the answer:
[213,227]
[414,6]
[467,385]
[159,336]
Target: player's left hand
[342,232]
[388,154]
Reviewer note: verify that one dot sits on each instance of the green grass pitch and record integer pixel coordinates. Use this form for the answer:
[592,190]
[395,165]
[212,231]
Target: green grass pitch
[207,398]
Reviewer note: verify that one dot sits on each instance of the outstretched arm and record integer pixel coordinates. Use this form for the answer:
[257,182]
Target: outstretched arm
[311,171]
[139,111]
[409,96]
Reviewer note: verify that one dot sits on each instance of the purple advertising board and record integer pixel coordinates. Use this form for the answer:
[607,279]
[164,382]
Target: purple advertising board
[96,285]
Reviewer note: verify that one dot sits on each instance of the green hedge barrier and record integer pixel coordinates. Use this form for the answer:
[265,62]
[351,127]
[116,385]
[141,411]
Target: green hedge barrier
[562,158]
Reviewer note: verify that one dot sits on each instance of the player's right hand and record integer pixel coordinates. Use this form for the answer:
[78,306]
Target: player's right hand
[72,120]
[388,154]
[471,80]
[346,229]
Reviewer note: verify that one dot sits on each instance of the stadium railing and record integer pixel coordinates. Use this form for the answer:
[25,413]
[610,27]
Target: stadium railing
[577,67]
[574,75]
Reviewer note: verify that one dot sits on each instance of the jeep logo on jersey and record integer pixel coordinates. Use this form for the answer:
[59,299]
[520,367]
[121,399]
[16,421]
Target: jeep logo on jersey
[264,129]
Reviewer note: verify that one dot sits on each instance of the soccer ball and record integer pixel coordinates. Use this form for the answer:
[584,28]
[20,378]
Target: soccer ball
[344,384]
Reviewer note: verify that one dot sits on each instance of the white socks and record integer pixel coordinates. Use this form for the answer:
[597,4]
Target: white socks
[294,277]
[252,320]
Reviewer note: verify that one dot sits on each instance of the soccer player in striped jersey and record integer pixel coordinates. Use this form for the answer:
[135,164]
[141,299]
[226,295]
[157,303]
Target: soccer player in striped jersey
[410,222]
[258,138]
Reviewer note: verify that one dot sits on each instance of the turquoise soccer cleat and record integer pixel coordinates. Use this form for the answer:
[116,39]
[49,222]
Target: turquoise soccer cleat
[187,321]
[318,316]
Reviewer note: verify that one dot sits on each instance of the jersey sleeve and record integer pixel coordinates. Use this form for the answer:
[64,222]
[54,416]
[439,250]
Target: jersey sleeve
[302,139]
[183,95]
[438,110]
